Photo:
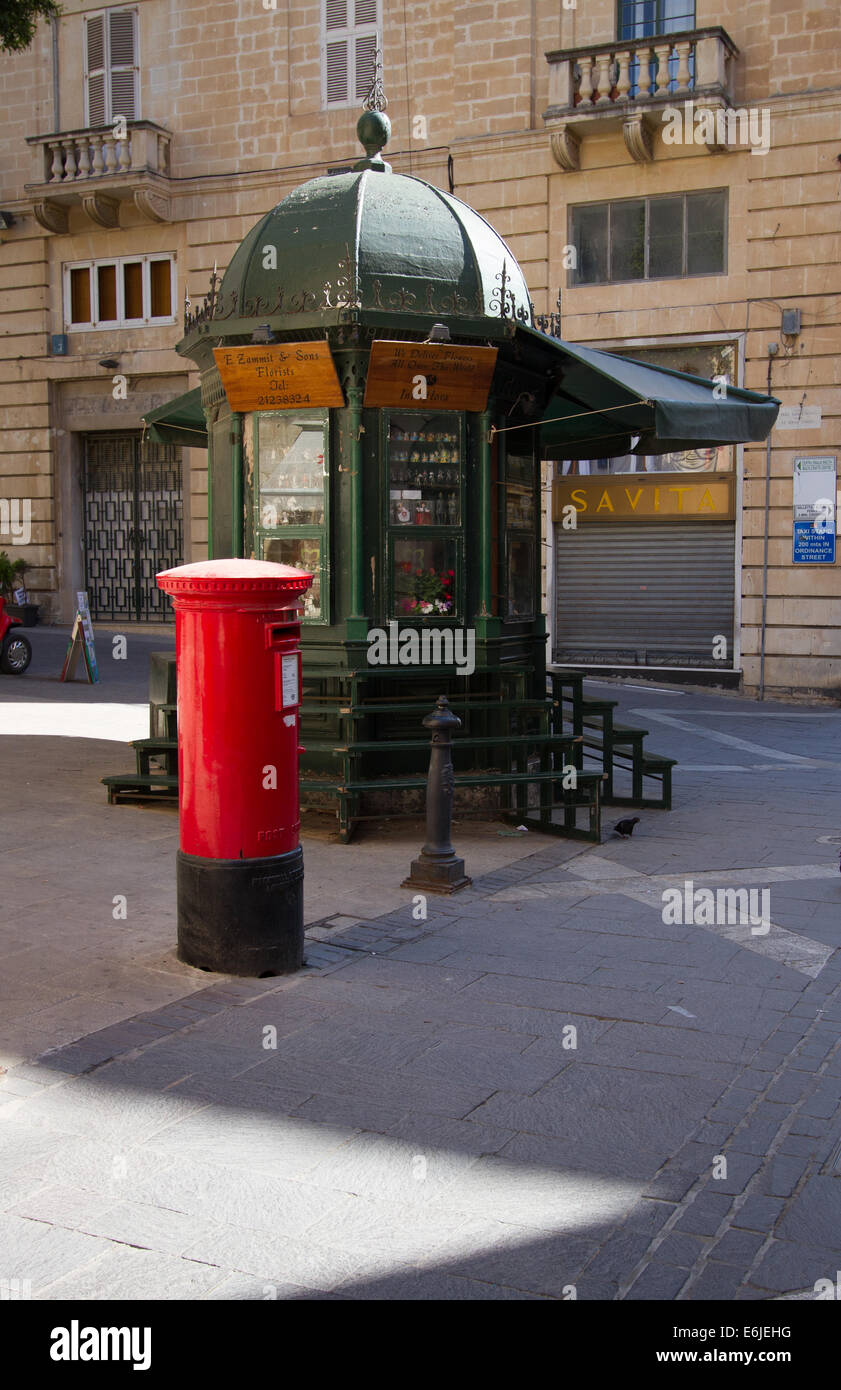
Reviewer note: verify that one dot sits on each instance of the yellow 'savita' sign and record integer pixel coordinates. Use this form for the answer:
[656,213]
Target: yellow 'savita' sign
[629,496]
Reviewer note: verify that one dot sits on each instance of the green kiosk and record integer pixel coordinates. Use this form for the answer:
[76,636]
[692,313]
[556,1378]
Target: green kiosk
[376,401]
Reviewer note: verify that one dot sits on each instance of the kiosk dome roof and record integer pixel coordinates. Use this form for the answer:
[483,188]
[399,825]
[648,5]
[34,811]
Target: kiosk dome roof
[380,243]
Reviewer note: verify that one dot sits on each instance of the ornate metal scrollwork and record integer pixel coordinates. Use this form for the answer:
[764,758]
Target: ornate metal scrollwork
[502,299]
[376,99]
[402,298]
[209,307]
[347,284]
[549,323]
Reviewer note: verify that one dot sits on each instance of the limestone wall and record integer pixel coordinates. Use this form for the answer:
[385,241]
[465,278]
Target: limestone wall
[239,87]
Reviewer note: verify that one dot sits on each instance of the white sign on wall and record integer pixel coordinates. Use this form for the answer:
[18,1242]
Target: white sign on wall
[814,510]
[799,417]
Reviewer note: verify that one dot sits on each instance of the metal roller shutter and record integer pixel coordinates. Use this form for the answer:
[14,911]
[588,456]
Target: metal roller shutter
[653,595]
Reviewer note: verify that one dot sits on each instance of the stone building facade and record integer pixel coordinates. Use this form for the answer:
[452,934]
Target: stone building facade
[140,143]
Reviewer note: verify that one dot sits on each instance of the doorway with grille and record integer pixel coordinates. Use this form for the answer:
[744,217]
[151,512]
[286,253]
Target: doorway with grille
[132,508]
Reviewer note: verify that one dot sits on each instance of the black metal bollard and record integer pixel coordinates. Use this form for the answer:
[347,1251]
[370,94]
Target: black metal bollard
[437,868]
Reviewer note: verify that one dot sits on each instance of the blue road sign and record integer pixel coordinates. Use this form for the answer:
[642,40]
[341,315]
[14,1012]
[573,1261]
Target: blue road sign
[814,543]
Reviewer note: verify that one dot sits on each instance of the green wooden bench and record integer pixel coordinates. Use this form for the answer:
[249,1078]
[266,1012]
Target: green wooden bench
[585,794]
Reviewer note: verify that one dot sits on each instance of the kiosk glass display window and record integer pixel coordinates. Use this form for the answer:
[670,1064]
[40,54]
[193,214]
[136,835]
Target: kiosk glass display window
[519,520]
[292,497]
[425,572]
[424,460]
[424,469]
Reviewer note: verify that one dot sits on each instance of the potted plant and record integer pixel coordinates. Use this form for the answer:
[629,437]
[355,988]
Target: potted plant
[14,591]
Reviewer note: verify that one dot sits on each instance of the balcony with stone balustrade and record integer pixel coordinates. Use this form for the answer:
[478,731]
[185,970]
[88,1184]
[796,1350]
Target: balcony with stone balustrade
[628,84]
[98,172]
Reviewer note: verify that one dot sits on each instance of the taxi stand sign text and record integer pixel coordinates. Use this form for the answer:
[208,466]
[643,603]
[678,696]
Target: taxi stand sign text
[814,499]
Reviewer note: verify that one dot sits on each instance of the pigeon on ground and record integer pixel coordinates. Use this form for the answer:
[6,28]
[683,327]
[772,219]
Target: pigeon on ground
[625,828]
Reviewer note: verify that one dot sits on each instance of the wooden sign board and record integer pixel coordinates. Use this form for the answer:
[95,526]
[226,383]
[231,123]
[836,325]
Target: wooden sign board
[279,376]
[81,644]
[418,375]
[627,496]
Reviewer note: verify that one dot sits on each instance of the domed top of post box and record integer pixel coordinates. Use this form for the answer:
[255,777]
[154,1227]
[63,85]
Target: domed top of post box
[255,579]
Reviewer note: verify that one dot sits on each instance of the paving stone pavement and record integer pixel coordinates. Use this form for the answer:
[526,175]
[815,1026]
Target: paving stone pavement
[541,1091]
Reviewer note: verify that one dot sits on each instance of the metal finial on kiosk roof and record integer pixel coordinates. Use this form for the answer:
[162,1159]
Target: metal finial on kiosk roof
[373,126]
[376,99]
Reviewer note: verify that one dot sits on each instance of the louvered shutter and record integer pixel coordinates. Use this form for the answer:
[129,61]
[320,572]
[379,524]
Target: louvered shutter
[337,73]
[366,12]
[95,74]
[335,14]
[122,65]
[366,49]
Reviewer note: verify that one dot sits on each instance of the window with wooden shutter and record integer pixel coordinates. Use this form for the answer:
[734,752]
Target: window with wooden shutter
[127,291]
[111,67]
[95,95]
[336,74]
[366,63]
[351,32]
[123,64]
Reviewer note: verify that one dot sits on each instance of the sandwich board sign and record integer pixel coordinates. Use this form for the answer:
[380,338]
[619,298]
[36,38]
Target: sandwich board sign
[81,644]
[814,511]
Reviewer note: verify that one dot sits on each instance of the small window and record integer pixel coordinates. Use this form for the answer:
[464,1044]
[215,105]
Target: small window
[665,238]
[111,67]
[80,295]
[160,281]
[641,19]
[350,32]
[132,289]
[106,283]
[137,290]
[650,238]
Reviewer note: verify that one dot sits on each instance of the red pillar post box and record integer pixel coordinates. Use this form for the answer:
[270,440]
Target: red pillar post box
[240,866]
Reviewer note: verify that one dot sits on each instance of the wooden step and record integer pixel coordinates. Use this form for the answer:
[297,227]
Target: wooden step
[135,786]
[384,706]
[655,762]
[388,745]
[163,749]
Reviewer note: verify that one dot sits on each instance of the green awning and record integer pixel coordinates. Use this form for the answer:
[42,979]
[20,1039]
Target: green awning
[180,421]
[604,405]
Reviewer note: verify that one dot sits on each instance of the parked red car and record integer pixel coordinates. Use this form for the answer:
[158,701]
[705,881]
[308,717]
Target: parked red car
[15,649]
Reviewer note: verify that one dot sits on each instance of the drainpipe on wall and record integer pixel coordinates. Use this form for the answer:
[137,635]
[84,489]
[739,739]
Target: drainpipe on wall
[56,107]
[773,349]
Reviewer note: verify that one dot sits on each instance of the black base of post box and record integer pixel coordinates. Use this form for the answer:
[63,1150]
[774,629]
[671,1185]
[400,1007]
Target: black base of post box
[242,916]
